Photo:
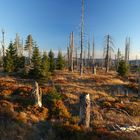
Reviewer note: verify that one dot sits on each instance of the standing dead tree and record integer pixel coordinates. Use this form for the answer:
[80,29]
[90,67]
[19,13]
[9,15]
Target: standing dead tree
[76,57]
[85,58]
[93,59]
[88,53]
[29,47]
[68,56]
[127,50]
[71,50]
[118,58]
[139,83]
[108,50]
[18,46]
[82,39]
[3,43]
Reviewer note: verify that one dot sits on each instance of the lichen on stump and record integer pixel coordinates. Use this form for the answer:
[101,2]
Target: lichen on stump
[84,110]
[37,95]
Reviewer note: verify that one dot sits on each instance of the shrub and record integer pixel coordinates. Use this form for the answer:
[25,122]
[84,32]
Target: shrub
[56,105]
[123,68]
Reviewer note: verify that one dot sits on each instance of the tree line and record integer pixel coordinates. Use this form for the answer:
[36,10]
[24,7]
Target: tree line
[28,61]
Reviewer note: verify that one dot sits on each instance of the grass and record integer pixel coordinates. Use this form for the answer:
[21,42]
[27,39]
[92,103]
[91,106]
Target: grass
[59,116]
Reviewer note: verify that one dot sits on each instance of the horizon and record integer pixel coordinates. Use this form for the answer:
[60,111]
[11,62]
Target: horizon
[51,22]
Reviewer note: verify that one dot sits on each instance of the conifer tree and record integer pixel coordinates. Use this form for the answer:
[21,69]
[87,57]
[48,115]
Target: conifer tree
[60,61]
[45,65]
[123,68]
[51,61]
[10,60]
[35,72]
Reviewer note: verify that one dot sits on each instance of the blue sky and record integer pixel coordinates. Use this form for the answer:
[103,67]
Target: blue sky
[51,21]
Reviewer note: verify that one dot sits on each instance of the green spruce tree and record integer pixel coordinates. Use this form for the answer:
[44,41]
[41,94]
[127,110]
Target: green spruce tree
[45,66]
[51,61]
[35,71]
[123,68]
[60,61]
[10,60]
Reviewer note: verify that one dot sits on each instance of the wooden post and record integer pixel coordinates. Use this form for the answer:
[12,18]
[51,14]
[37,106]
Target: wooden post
[37,94]
[85,110]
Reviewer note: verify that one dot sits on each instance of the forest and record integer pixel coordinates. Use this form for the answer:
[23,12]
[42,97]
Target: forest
[72,95]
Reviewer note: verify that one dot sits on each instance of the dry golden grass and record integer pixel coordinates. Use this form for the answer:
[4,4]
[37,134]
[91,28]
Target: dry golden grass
[104,109]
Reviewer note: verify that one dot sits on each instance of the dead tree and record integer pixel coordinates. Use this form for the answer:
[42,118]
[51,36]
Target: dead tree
[118,58]
[29,47]
[93,59]
[84,59]
[37,95]
[82,39]
[139,85]
[18,46]
[68,55]
[85,110]
[71,50]
[76,57]
[108,50]
[88,53]
[127,50]
[3,43]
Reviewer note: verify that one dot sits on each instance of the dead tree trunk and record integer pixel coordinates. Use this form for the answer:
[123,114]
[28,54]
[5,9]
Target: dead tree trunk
[107,55]
[93,61]
[3,43]
[68,53]
[139,85]
[82,39]
[71,50]
[76,56]
[37,94]
[85,110]
[127,50]
[88,54]
[118,59]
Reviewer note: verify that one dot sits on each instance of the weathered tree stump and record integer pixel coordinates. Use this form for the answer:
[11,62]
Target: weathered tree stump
[85,110]
[37,94]
[126,92]
[94,70]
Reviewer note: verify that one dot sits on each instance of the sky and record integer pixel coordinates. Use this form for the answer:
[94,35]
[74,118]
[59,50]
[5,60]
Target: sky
[51,21]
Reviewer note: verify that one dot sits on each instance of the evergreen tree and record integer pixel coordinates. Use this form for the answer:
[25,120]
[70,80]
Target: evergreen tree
[45,66]
[123,68]
[60,61]
[35,71]
[51,61]
[10,60]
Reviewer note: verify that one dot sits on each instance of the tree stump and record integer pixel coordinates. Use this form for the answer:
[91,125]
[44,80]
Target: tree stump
[37,94]
[126,92]
[94,70]
[85,110]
